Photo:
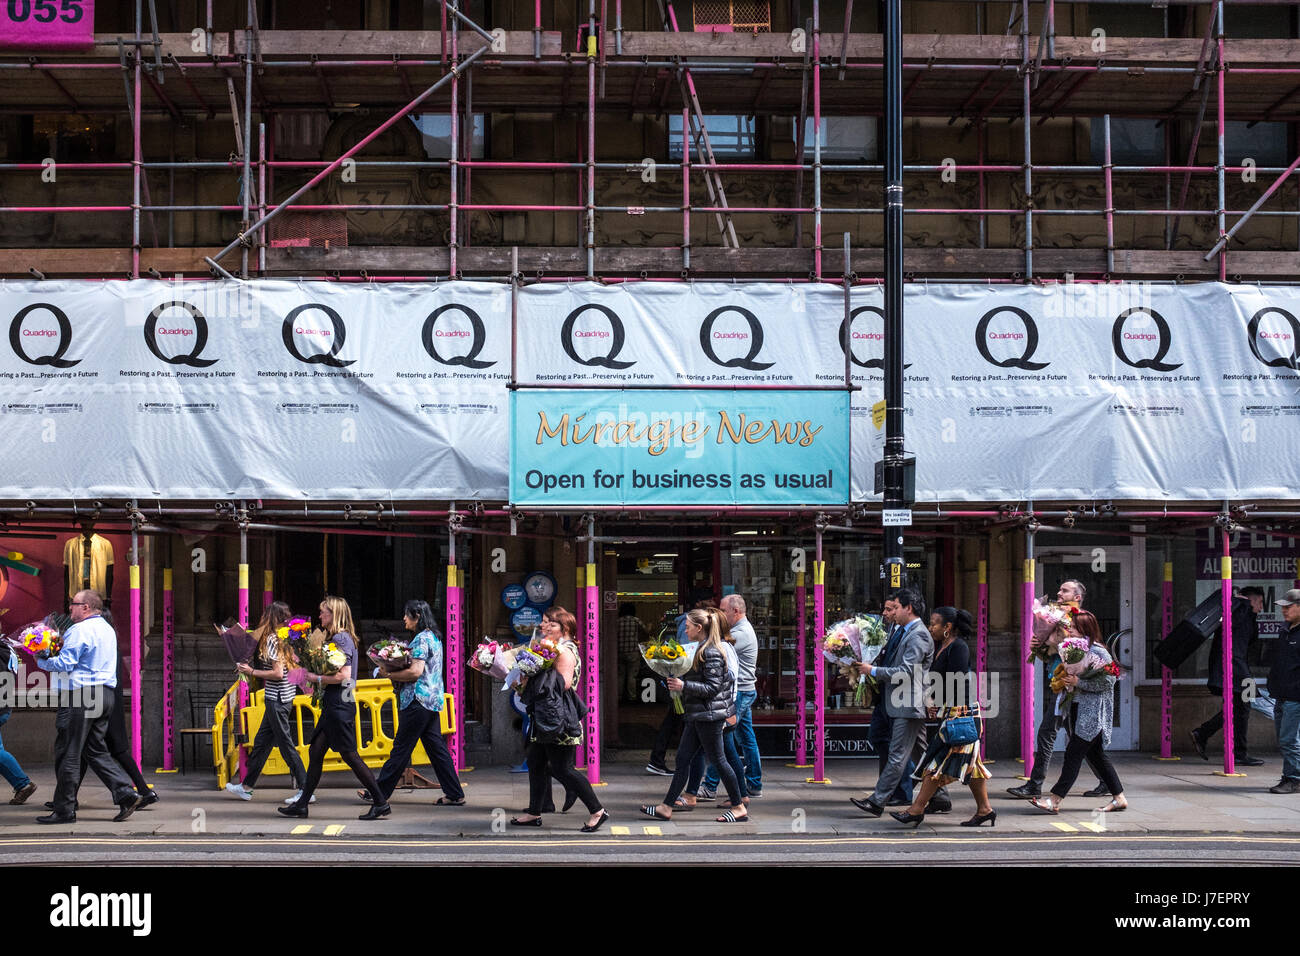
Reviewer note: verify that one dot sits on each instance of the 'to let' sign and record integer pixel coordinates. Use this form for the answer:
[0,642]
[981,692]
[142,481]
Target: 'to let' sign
[47,24]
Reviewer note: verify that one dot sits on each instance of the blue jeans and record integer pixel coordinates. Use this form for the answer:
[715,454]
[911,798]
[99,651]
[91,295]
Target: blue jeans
[747,743]
[1286,718]
[733,758]
[9,768]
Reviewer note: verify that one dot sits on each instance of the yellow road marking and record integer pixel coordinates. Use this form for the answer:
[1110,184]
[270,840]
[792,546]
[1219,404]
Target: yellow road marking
[1094,827]
[301,828]
[1064,826]
[334,829]
[620,831]
[653,831]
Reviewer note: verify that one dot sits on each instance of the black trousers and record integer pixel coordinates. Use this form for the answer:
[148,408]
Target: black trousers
[706,735]
[320,742]
[119,744]
[418,724]
[1240,724]
[1045,745]
[671,724]
[81,727]
[555,760]
[1095,752]
[276,730]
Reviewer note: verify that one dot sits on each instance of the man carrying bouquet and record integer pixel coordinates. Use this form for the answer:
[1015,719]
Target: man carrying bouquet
[89,659]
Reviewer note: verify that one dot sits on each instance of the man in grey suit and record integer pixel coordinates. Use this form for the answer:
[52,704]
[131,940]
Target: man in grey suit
[902,694]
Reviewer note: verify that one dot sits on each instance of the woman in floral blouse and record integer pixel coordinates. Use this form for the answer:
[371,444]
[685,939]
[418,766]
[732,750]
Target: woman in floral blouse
[419,701]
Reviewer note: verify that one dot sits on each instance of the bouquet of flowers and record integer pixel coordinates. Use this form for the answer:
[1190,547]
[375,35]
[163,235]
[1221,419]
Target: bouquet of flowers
[669,658]
[39,640]
[1047,617]
[390,653]
[1078,660]
[857,639]
[540,654]
[316,654]
[493,658]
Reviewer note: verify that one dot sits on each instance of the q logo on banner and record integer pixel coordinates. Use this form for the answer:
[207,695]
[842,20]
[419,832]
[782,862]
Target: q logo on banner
[477,334]
[615,335]
[848,336]
[336,337]
[200,333]
[1029,335]
[63,333]
[1286,340]
[1118,337]
[755,337]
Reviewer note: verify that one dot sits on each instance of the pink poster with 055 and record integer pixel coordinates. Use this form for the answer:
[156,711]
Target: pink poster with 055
[46,24]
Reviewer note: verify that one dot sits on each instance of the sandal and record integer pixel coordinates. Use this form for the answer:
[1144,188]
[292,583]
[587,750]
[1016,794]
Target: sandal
[1045,805]
[444,802]
[653,813]
[682,805]
[730,817]
[1113,807]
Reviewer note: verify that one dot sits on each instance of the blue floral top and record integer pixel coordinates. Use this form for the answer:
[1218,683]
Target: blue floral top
[427,688]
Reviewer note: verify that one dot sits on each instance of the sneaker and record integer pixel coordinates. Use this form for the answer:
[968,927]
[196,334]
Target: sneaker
[22,793]
[658,768]
[704,793]
[1286,785]
[294,798]
[755,793]
[1249,761]
[239,790]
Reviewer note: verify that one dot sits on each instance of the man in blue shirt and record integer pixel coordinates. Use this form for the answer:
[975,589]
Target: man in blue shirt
[83,670]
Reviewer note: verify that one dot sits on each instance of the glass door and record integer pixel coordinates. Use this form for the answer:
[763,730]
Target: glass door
[1106,574]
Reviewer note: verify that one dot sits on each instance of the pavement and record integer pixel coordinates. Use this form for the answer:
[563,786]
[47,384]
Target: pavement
[1179,811]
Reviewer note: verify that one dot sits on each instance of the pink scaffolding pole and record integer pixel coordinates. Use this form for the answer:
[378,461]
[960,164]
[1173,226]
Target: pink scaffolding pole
[455,145]
[1026,667]
[169,672]
[455,741]
[1229,679]
[136,669]
[982,620]
[1167,675]
[819,667]
[817,143]
[686,188]
[591,667]
[801,669]
[243,622]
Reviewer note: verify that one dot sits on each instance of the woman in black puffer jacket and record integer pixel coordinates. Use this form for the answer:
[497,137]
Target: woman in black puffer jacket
[708,700]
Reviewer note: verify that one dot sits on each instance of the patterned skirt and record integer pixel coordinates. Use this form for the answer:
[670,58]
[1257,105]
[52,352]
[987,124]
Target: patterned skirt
[954,764]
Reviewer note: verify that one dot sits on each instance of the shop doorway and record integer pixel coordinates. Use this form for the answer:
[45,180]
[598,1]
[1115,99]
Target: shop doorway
[1107,574]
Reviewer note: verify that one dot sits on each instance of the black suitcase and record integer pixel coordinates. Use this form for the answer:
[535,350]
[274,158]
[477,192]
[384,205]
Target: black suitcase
[1181,644]
[1207,616]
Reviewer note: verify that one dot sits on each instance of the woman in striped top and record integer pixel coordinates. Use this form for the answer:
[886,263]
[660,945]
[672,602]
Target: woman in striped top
[275,729]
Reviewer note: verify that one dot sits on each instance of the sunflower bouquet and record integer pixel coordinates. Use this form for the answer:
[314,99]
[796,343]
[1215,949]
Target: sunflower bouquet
[316,654]
[667,657]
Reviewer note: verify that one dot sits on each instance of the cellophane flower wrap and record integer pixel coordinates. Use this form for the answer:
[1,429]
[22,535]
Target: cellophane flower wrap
[494,658]
[1047,617]
[315,653]
[39,640]
[390,653]
[853,640]
[540,654]
[667,657]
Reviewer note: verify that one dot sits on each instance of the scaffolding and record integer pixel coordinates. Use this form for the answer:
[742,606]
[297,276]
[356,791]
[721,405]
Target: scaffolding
[967,79]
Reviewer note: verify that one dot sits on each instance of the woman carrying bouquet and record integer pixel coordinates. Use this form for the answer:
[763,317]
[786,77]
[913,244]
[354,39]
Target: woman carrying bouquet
[420,700]
[709,702]
[271,664]
[693,789]
[1088,719]
[555,758]
[337,728]
[945,763]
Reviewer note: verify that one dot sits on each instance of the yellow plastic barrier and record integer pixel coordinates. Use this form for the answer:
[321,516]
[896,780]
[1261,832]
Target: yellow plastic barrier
[225,747]
[375,695]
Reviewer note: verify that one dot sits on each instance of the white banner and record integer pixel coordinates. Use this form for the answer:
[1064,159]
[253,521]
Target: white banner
[272,389]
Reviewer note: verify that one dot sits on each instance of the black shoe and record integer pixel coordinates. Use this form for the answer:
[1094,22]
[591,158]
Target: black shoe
[149,799]
[938,805]
[867,806]
[516,822]
[1285,785]
[898,802]
[49,805]
[658,768]
[979,819]
[1198,744]
[57,818]
[293,810]
[127,807]
[1249,761]
[1026,790]
[1097,791]
[570,798]
[905,818]
[374,813]
[593,827]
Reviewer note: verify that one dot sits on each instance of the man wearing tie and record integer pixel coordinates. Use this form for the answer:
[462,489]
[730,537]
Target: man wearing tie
[879,729]
[900,674]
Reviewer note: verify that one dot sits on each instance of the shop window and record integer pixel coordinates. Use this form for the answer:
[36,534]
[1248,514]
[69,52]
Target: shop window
[435,132]
[1265,143]
[67,138]
[732,136]
[844,138]
[1133,142]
